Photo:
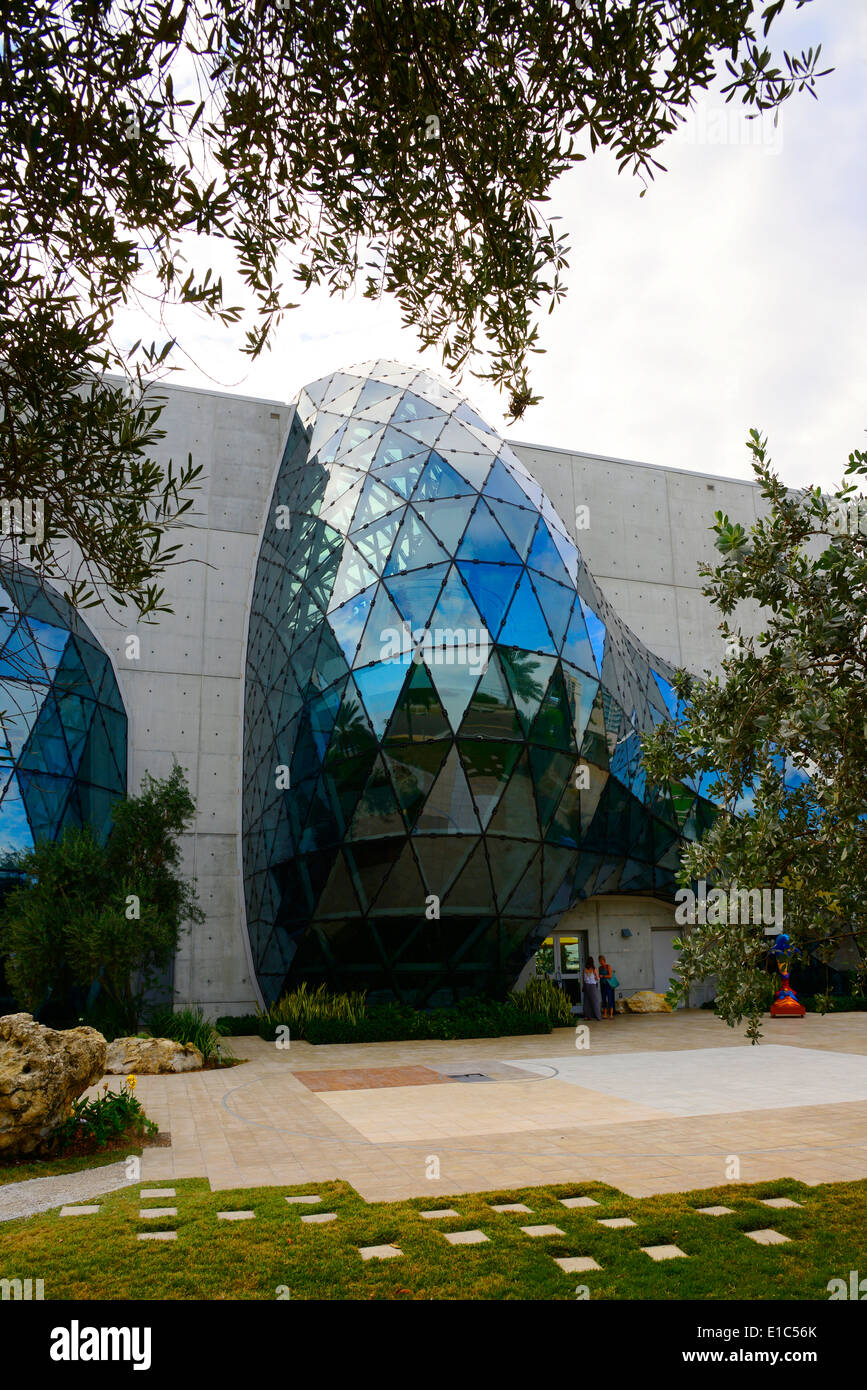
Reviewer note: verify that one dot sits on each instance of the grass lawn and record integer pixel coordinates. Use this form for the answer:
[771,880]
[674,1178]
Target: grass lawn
[99,1257]
[53,1167]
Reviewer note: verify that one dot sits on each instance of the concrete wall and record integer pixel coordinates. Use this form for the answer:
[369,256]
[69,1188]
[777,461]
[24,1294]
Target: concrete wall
[647,533]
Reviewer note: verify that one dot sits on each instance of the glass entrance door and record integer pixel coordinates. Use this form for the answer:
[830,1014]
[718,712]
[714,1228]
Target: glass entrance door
[569,951]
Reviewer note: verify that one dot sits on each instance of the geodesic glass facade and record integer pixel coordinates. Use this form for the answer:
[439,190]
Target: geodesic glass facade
[442,713]
[64,729]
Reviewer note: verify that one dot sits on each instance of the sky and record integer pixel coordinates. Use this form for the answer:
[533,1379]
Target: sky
[731,296]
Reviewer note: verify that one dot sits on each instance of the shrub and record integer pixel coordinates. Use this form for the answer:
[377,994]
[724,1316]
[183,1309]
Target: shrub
[95,1123]
[189,1026]
[473,1018]
[303,1007]
[238,1025]
[541,996]
[833,1004]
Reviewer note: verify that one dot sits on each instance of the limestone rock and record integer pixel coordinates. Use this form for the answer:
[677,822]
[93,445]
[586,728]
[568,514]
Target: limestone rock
[147,1056]
[42,1071]
[646,1001]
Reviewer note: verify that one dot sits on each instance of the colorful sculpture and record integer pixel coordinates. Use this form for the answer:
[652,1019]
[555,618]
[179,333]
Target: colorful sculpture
[786,1003]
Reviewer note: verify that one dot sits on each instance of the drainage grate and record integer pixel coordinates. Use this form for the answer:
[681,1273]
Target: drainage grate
[468,1076]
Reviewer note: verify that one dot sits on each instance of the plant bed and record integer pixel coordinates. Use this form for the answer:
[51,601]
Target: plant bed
[399,1023]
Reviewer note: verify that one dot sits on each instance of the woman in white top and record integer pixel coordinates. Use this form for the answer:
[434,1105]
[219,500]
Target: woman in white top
[591,990]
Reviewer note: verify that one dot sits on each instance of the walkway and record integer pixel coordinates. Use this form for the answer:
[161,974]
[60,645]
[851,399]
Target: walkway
[656,1104]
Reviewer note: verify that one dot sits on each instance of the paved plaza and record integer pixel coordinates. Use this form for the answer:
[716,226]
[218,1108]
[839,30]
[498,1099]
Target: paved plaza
[656,1104]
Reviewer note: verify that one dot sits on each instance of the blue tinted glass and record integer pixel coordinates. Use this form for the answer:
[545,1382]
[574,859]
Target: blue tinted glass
[556,605]
[414,547]
[455,608]
[485,540]
[502,485]
[525,626]
[380,687]
[492,587]
[384,634]
[518,524]
[376,540]
[439,479]
[415,594]
[402,477]
[545,556]
[596,632]
[348,622]
[447,518]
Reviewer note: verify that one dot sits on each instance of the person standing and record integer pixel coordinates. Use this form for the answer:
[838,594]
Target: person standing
[606,980]
[591,990]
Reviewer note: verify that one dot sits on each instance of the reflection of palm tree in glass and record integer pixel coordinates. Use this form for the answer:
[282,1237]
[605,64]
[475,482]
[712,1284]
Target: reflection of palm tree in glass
[351,734]
[521,668]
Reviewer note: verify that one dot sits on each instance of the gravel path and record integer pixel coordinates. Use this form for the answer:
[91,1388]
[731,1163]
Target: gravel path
[41,1194]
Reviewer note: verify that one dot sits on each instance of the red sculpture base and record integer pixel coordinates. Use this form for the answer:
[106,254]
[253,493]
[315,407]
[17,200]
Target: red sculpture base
[787,1008]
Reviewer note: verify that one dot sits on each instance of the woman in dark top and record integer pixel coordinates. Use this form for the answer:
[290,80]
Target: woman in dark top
[606,974]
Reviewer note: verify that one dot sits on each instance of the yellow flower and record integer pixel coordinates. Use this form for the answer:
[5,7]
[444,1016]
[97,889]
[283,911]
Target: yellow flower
[131,1082]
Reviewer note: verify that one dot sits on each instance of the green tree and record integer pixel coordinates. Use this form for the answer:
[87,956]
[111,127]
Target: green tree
[112,913]
[783,734]
[408,147]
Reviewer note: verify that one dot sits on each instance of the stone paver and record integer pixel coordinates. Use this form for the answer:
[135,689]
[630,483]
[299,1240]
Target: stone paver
[779,1202]
[378,1252]
[542,1231]
[616,1223]
[577,1264]
[157,1235]
[465,1237]
[510,1206]
[320,1216]
[236,1215]
[767,1237]
[306,1201]
[715,1211]
[148,1213]
[369,1078]
[664,1252]
[156,1192]
[79,1211]
[578,1202]
[435,1215]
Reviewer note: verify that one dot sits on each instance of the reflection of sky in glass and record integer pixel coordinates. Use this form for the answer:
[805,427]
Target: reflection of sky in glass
[15,832]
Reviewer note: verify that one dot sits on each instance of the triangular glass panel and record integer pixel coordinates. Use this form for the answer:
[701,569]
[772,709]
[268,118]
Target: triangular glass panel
[414,768]
[455,609]
[412,407]
[455,685]
[525,627]
[491,713]
[418,713]
[597,633]
[376,540]
[442,858]
[473,887]
[378,812]
[447,518]
[415,594]
[508,861]
[353,576]
[380,687]
[474,467]
[488,766]
[545,557]
[449,805]
[385,636]
[556,604]
[516,813]
[414,547]
[438,480]
[348,622]
[528,675]
[376,502]
[518,524]
[404,889]
[485,539]
[552,726]
[402,477]
[551,772]
[353,733]
[502,485]
[492,587]
[338,896]
[373,393]
[527,897]
[370,863]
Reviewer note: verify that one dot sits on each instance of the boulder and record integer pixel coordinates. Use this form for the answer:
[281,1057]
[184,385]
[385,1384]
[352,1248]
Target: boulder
[42,1071]
[148,1056]
[646,1001]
